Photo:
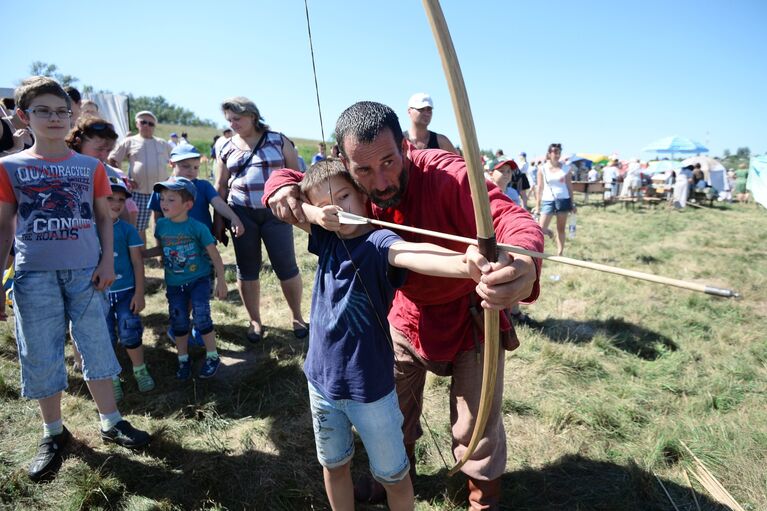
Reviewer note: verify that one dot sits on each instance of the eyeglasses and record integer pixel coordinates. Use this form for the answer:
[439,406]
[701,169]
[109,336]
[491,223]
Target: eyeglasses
[115,180]
[46,113]
[146,123]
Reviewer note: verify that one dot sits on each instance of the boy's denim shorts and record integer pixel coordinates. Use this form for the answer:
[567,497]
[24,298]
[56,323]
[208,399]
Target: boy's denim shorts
[556,207]
[44,303]
[122,323]
[379,425]
[179,297]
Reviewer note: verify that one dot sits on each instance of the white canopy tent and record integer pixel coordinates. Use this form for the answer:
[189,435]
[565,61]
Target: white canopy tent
[113,108]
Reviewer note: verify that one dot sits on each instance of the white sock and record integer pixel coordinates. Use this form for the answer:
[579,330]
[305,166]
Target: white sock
[53,428]
[109,420]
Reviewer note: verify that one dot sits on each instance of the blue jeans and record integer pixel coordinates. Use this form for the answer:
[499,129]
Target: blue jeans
[379,425]
[197,293]
[44,302]
[122,323]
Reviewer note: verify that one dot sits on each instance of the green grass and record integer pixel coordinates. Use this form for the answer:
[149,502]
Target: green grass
[202,138]
[597,399]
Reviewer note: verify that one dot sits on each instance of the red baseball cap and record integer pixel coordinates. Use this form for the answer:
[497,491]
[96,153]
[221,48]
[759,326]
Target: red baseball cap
[510,163]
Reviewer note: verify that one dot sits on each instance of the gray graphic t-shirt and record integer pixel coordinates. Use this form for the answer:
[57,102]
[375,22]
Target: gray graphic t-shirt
[55,224]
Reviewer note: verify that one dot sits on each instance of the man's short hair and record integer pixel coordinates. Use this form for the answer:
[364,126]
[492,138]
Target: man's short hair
[364,121]
[37,86]
[319,173]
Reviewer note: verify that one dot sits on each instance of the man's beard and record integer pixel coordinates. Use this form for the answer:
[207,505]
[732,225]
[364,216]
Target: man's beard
[375,196]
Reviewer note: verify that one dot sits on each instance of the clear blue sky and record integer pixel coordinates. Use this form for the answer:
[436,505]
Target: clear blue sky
[596,76]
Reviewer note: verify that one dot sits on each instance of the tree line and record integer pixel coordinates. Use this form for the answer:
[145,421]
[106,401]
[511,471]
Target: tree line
[166,112]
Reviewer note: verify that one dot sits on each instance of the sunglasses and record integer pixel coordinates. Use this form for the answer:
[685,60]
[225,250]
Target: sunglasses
[146,123]
[115,180]
[98,126]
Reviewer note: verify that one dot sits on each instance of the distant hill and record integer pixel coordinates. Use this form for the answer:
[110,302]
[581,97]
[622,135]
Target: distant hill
[202,138]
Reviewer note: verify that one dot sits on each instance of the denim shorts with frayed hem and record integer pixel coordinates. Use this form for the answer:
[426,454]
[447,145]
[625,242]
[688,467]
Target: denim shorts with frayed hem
[556,207]
[44,303]
[379,425]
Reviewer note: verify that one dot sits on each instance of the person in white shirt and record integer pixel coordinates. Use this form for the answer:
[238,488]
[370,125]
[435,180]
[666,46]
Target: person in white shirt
[554,194]
[609,178]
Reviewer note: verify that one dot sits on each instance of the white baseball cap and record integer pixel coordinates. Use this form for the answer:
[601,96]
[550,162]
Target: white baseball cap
[420,100]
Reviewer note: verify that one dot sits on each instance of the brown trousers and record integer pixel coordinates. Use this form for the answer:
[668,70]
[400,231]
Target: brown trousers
[489,459]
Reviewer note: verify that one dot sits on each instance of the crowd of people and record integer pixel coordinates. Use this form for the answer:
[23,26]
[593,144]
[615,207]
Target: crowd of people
[73,224]
[387,308]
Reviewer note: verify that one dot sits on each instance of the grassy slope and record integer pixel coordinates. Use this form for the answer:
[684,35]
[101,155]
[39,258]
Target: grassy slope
[202,138]
[596,401]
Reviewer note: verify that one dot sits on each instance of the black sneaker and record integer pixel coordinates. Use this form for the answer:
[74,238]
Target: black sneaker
[48,458]
[125,435]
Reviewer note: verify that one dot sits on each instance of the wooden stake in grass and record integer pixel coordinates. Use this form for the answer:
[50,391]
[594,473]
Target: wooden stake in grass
[349,218]
[711,484]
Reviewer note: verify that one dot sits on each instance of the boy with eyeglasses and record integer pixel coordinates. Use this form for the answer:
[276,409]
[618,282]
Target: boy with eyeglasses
[53,207]
[148,164]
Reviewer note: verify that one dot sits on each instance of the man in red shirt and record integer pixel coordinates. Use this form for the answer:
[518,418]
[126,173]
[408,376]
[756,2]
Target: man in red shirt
[430,320]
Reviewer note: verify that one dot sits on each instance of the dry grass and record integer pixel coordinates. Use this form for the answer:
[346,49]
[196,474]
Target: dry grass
[599,399]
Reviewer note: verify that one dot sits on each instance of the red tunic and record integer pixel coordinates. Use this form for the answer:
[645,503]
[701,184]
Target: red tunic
[433,312]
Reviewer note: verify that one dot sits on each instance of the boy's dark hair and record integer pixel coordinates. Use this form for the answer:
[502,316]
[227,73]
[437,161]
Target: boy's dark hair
[89,127]
[364,121]
[319,173]
[184,134]
[73,94]
[37,86]
[185,195]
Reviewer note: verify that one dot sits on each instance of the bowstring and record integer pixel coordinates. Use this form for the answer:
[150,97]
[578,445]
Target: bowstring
[346,248]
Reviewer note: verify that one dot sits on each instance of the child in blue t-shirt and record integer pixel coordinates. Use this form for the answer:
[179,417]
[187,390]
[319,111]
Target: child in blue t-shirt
[188,248]
[185,160]
[350,362]
[126,295]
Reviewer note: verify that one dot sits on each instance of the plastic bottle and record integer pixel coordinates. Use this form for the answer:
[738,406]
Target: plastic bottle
[571,225]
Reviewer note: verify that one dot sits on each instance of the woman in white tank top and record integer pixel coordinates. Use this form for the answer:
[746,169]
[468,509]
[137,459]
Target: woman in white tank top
[554,194]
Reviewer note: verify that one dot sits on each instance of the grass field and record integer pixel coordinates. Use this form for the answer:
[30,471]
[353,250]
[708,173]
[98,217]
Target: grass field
[202,138]
[597,400]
